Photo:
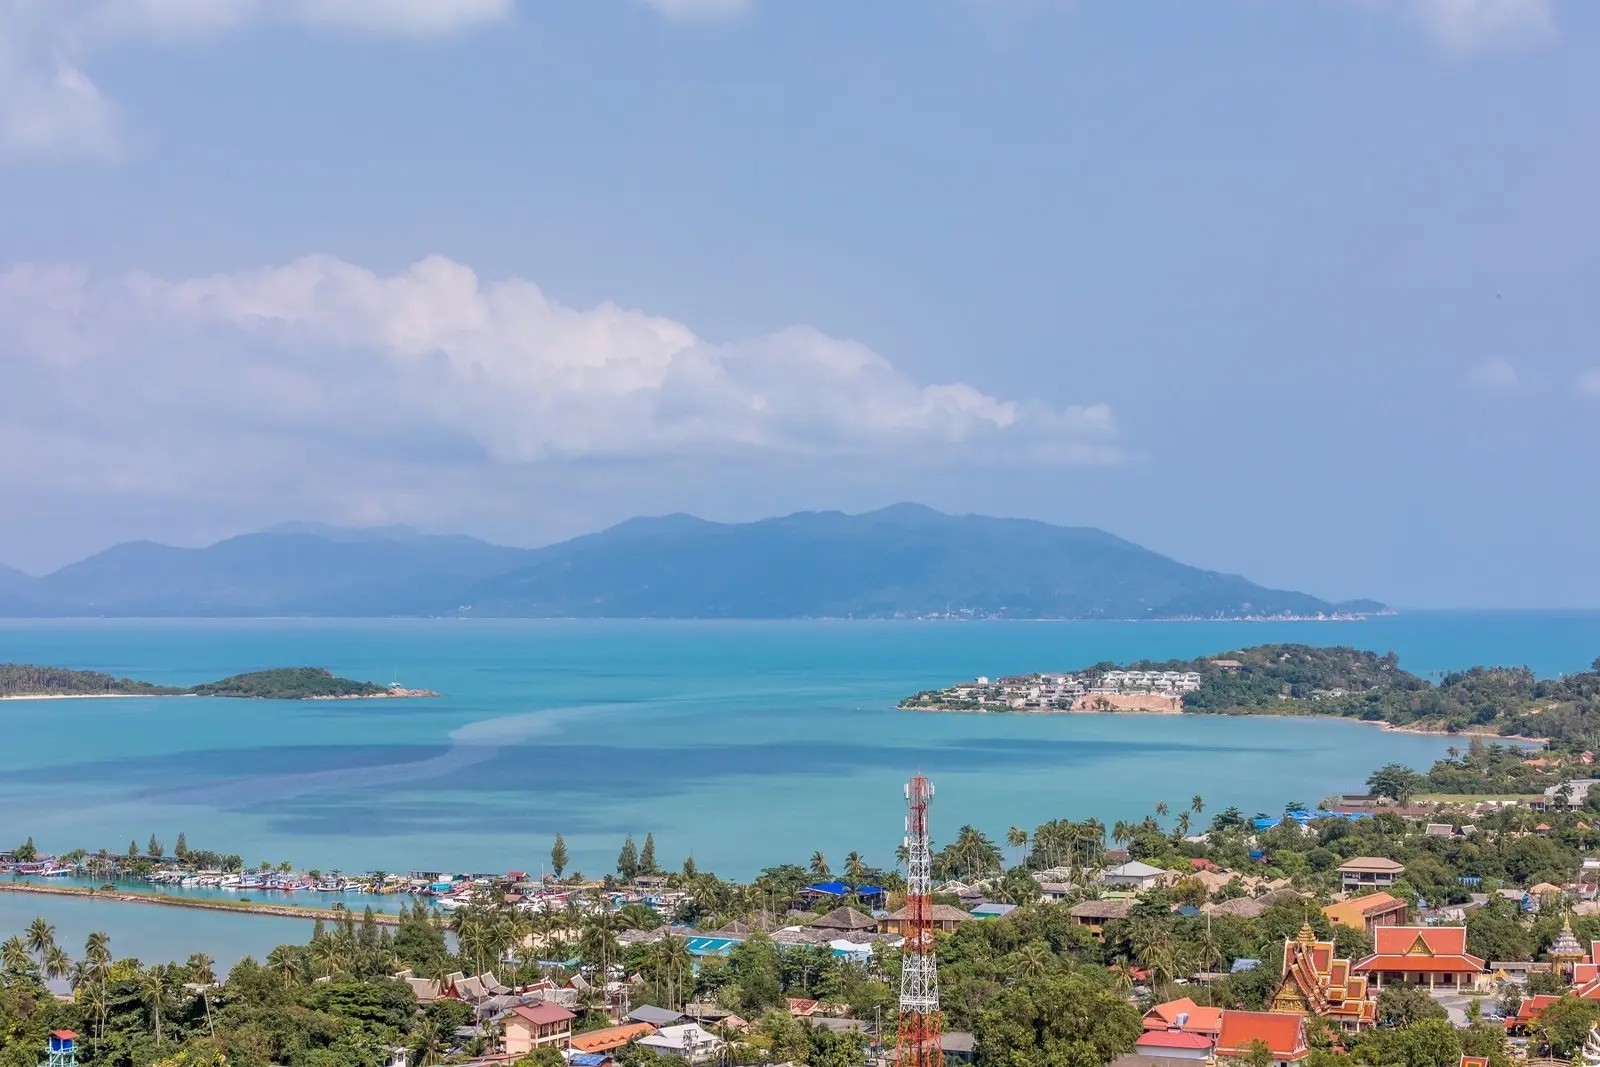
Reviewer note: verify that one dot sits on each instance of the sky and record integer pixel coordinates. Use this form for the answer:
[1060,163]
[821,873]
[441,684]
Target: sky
[1298,289]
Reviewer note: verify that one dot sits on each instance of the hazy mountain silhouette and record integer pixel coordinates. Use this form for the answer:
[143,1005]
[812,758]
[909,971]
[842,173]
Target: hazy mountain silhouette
[902,560]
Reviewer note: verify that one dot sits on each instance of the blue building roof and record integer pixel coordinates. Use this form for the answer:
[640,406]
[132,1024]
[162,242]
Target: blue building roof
[992,910]
[842,889]
[587,1059]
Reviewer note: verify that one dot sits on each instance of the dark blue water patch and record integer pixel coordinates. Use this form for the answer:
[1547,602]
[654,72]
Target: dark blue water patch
[519,787]
[225,764]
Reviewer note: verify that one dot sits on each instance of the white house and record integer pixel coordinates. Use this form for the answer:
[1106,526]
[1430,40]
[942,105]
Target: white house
[1133,875]
[688,1042]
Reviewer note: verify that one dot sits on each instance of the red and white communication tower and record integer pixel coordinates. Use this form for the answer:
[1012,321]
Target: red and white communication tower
[918,1043]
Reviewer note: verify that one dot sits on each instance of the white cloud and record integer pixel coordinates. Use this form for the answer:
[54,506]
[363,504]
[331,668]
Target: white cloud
[50,106]
[1589,382]
[322,370]
[1466,26]
[1494,376]
[701,9]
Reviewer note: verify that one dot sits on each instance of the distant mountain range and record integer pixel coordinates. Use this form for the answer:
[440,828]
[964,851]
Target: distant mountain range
[905,560]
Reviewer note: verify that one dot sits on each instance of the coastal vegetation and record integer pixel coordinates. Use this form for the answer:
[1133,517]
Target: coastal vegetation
[1034,986]
[1297,679]
[25,679]
[280,683]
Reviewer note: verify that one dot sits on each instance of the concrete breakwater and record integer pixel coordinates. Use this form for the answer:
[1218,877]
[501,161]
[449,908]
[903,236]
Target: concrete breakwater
[243,907]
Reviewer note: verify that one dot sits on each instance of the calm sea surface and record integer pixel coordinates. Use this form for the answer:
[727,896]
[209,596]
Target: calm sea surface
[743,744]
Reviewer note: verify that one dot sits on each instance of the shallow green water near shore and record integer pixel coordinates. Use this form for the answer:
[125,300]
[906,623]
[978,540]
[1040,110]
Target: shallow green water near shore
[743,744]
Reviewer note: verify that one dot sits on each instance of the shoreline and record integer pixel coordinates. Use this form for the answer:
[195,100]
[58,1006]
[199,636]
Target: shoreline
[239,907]
[1488,735]
[86,696]
[408,694]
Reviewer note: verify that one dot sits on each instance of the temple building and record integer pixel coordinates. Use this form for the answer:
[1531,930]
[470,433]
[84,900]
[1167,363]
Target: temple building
[1432,956]
[1316,982]
[1566,953]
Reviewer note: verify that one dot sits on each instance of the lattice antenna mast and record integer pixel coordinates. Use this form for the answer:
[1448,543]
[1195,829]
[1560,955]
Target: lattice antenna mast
[918,1042]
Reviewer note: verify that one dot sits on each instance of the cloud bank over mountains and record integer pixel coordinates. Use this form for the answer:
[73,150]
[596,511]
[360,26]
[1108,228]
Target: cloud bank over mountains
[321,370]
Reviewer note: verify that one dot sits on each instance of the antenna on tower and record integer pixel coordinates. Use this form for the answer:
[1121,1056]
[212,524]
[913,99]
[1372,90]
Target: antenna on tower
[918,1042]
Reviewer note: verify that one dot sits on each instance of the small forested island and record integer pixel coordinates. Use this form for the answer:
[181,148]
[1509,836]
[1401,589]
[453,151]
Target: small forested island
[1292,679]
[19,680]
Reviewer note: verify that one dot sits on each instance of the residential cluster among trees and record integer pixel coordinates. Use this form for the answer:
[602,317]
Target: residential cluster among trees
[1093,926]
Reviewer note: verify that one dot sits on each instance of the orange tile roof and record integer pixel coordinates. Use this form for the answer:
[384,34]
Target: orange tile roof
[1285,1035]
[1530,1009]
[1435,940]
[1354,912]
[1201,1019]
[612,1037]
[1474,1061]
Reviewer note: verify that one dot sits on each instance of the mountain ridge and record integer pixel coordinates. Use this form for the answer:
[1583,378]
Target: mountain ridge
[903,560]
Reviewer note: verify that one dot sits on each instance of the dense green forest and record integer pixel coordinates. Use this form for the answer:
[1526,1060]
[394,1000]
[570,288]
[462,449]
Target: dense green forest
[24,679]
[289,683]
[282,683]
[1292,679]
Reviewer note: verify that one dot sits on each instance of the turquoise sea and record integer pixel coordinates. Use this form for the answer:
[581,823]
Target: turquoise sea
[742,744]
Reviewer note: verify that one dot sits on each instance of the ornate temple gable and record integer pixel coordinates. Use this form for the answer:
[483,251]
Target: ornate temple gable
[1316,982]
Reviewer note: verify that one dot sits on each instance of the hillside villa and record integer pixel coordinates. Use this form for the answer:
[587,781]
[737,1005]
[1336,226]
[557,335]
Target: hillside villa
[1369,872]
[531,1026]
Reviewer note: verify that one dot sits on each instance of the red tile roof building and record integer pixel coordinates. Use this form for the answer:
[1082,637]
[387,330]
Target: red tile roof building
[1316,982]
[1185,1016]
[1430,956]
[1284,1035]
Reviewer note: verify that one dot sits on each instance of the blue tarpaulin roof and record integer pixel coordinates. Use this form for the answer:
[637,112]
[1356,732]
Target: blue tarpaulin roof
[842,889]
[587,1059]
[1244,965]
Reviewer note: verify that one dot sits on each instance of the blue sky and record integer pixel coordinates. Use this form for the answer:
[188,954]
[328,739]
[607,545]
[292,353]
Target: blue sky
[1302,289]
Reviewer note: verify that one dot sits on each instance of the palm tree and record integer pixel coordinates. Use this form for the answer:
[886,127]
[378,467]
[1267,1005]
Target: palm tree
[430,1046]
[57,964]
[202,973]
[1161,807]
[285,961]
[1033,959]
[1122,976]
[14,958]
[1182,826]
[1017,838]
[855,869]
[327,955]
[97,948]
[819,865]
[98,1007]
[1197,803]
[41,937]
[153,987]
[676,965]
